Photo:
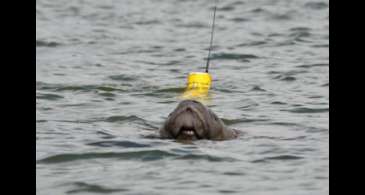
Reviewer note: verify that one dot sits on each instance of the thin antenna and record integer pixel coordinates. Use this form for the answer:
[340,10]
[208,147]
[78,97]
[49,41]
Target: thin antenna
[211,37]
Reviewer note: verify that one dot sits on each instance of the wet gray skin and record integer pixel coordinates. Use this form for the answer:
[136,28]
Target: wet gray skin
[191,120]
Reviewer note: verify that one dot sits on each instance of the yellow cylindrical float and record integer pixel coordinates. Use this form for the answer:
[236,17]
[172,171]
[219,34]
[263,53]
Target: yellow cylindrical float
[198,85]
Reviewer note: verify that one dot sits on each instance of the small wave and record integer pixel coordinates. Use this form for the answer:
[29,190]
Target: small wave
[285,16]
[193,25]
[226,8]
[105,135]
[107,94]
[234,173]
[258,10]
[59,87]
[321,45]
[122,77]
[148,22]
[280,157]
[300,29]
[170,90]
[109,88]
[124,144]
[49,96]
[278,103]
[93,188]
[313,65]
[285,43]
[141,155]
[47,44]
[253,43]
[180,49]
[114,119]
[233,56]
[227,191]
[316,130]
[285,78]
[308,110]
[325,85]
[82,88]
[249,106]
[284,124]
[315,97]
[207,157]
[294,138]
[299,35]
[257,88]
[239,19]
[145,155]
[316,5]
[237,121]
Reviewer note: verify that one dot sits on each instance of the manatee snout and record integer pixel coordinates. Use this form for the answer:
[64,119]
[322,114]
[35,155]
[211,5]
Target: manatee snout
[191,120]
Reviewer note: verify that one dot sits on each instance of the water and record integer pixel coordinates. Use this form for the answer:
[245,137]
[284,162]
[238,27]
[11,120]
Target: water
[109,72]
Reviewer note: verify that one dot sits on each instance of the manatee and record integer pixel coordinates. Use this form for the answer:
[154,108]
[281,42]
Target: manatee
[191,120]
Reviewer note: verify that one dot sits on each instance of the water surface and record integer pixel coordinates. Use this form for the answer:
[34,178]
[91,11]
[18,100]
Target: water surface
[109,72]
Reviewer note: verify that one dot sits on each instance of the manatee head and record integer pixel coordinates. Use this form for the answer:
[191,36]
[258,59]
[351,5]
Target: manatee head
[191,120]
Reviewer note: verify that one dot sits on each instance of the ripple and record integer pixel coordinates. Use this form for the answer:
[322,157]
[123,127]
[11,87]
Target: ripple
[280,158]
[320,45]
[124,144]
[105,135]
[285,16]
[285,78]
[278,103]
[207,157]
[257,88]
[308,110]
[114,119]
[226,8]
[252,43]
[233,173]
[300,36]
[123,77]
[316,130]
[313,65]
[316,5]
[237,121]
[107,94]
[133,155]
[193,25]
[145,155]
[180,49]
[148,22]
[170,90]
[233,56]
[258,10]
[249,106]
[49,96]
[300,29]
[47,44]
[239,19]
[284,124]
[325,85]
[109,88]
[82,88]
[93,188]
